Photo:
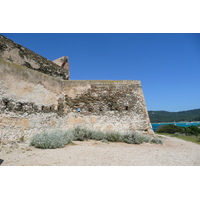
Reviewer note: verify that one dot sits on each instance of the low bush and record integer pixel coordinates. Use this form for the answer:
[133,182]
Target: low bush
[113,137]
[132,139]
[194,130]
[156,140]
[51,140]
[135,138]
[170,128]
[146,138]
[59,138]
[173,129]
[98,135]
[81,134]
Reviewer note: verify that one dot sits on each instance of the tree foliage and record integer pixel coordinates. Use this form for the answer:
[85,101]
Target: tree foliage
[164,116]
[172,129]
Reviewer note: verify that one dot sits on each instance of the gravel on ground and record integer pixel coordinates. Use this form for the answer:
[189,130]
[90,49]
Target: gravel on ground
[173,152]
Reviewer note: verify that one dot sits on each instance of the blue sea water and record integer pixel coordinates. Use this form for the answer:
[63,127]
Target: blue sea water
[182,124]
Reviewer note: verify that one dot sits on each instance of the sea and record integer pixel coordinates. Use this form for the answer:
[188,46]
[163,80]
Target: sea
[182,124]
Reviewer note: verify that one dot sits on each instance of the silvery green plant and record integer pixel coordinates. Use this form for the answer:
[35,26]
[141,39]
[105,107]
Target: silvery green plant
[132,138]
[114,137]
[51,140]
[146,138]
[98,135]
[59,138]
[81,134]
[156,140]
[135,138]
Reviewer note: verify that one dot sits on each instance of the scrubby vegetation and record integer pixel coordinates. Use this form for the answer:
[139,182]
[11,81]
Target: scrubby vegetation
[135,138]
[156,140]
[173,129]
[52,140]
[191,133]
[59,138]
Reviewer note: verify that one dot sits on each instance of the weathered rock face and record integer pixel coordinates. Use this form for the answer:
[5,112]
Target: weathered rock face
[102,97]
[33,102]
[107,106]
[20,55]
[64,63]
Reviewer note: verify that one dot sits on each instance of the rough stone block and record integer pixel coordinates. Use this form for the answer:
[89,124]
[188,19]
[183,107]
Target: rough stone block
[71,121]
[79,120]
[93,120]
[24,123]
[108,128]
[86,120]
[53,123]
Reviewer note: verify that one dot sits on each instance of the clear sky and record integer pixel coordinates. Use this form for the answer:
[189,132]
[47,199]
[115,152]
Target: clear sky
[168,65]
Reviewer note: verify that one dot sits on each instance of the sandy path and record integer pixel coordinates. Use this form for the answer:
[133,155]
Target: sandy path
[174,152]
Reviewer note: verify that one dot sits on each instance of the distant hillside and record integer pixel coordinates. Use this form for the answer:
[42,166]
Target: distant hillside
[164,116]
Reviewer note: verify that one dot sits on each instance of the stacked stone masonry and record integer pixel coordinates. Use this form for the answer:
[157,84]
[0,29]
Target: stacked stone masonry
[32,102]
[20,55]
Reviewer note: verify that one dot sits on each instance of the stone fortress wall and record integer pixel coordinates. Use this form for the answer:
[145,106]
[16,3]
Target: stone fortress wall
[20,55]
[33,101]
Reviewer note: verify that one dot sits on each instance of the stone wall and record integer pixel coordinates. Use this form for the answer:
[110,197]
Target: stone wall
[23,84]
[20,55]
[64,63]
[32,102]
[107,105]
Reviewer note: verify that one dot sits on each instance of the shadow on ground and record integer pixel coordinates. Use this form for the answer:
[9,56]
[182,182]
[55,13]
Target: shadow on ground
[1,161]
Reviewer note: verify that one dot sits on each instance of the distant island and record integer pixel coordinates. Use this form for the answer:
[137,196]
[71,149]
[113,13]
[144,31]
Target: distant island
[165,116]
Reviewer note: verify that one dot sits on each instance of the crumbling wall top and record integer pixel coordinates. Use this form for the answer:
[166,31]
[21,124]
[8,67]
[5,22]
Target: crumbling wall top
[20,55]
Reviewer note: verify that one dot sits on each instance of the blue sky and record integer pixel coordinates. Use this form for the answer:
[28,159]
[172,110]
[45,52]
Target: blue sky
[168,65]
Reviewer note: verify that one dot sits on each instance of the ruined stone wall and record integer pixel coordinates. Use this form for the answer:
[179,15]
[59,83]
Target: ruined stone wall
[20,55]
[28,99]
[107,105]
[20,83]
[32,102]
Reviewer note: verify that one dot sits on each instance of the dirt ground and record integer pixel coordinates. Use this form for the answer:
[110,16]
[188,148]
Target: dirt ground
[173,152]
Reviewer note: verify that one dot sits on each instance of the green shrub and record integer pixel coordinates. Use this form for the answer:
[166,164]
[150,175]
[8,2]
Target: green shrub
[193,130]
[98,135]
[85,134]
[173,129]
[114,137]
[51,140]
[136,138]
[133,138]
[146,138]
[170,128]
[59,138]
[156,140]
[81,134]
